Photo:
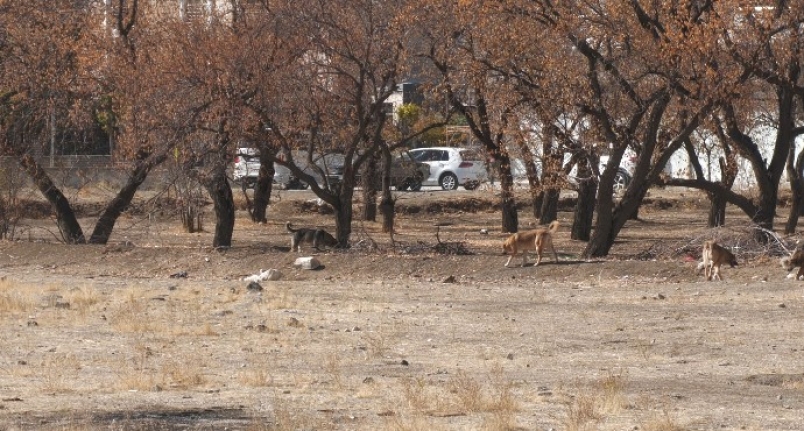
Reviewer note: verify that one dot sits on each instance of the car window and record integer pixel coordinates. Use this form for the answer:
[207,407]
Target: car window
[470,155]
[443,156]
[421,155]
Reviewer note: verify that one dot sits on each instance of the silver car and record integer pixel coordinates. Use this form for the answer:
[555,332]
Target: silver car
[246,169]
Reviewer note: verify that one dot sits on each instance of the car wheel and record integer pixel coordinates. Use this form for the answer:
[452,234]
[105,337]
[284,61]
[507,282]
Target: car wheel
[448,181]
[471,185]
[621,180]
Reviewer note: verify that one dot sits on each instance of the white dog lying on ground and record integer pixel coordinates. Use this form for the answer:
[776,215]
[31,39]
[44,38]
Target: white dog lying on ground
[264,275]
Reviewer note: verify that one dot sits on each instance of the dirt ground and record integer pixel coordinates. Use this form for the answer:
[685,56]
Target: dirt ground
[158,331]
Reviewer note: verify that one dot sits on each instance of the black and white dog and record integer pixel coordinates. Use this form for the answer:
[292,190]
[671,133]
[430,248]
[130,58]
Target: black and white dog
[316,237]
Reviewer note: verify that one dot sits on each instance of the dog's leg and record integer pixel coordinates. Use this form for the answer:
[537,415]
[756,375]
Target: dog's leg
[509,261]
[555,255]
[524,258]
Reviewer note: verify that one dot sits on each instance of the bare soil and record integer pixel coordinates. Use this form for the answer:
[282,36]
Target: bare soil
[158,331]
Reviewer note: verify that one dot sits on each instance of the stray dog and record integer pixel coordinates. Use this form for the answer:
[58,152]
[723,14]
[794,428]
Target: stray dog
[536,239]
[796,259]
[264,275]
[714,255]
[316,237]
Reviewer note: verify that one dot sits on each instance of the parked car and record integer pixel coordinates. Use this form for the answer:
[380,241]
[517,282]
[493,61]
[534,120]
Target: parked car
[246,169]
[406,173]
[622,178]
[451,167]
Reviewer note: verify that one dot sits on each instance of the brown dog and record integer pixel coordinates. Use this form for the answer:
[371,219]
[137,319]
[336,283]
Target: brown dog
[536,239]
[714,255]
[795,260]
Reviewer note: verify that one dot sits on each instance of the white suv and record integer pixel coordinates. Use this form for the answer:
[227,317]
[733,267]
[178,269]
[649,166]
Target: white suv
[246,166]
[451,167]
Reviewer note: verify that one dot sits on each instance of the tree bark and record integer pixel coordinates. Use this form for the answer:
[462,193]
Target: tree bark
[220,191]
[538,201]
[795,170]
[585,206]
[510,218]
[534,182]
[370,189]
[264,186]
[387,202]
[69,227]
[343,223]
[552,187]
[718,201]
[549,211]
[106,222]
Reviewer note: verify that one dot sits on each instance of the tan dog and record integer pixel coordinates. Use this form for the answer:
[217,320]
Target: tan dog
[795,260]
[714,255]
[536,239]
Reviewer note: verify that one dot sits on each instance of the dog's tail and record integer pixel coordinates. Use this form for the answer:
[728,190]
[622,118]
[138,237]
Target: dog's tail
[553,226]
[290,229]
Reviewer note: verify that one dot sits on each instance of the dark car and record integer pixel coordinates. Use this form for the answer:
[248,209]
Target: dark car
[408,174]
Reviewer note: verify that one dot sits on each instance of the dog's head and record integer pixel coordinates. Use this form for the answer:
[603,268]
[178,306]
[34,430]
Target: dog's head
[327,239]
[733,261]
[509,245]
[787,263]
[794,260]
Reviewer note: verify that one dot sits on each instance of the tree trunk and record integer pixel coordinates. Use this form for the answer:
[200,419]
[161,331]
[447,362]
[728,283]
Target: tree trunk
[221,193]
[763,218]
[717,210]
[343,211]
[263,187]
[538,201]
[534,182]
[65,216]
[549,210]
[794,175]
[387,203]
[105,225]
[510,218]
[604,231]
[551,179]
[635,214]
[584,207]
[370,189]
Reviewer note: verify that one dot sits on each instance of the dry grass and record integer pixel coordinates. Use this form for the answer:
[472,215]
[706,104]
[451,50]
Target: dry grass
[58,372]
[468,391]
[591,405]
[16,298]
[661,421]
[290,357]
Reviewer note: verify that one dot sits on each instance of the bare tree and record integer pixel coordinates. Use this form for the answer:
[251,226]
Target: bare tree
[764,45]
[332,98]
